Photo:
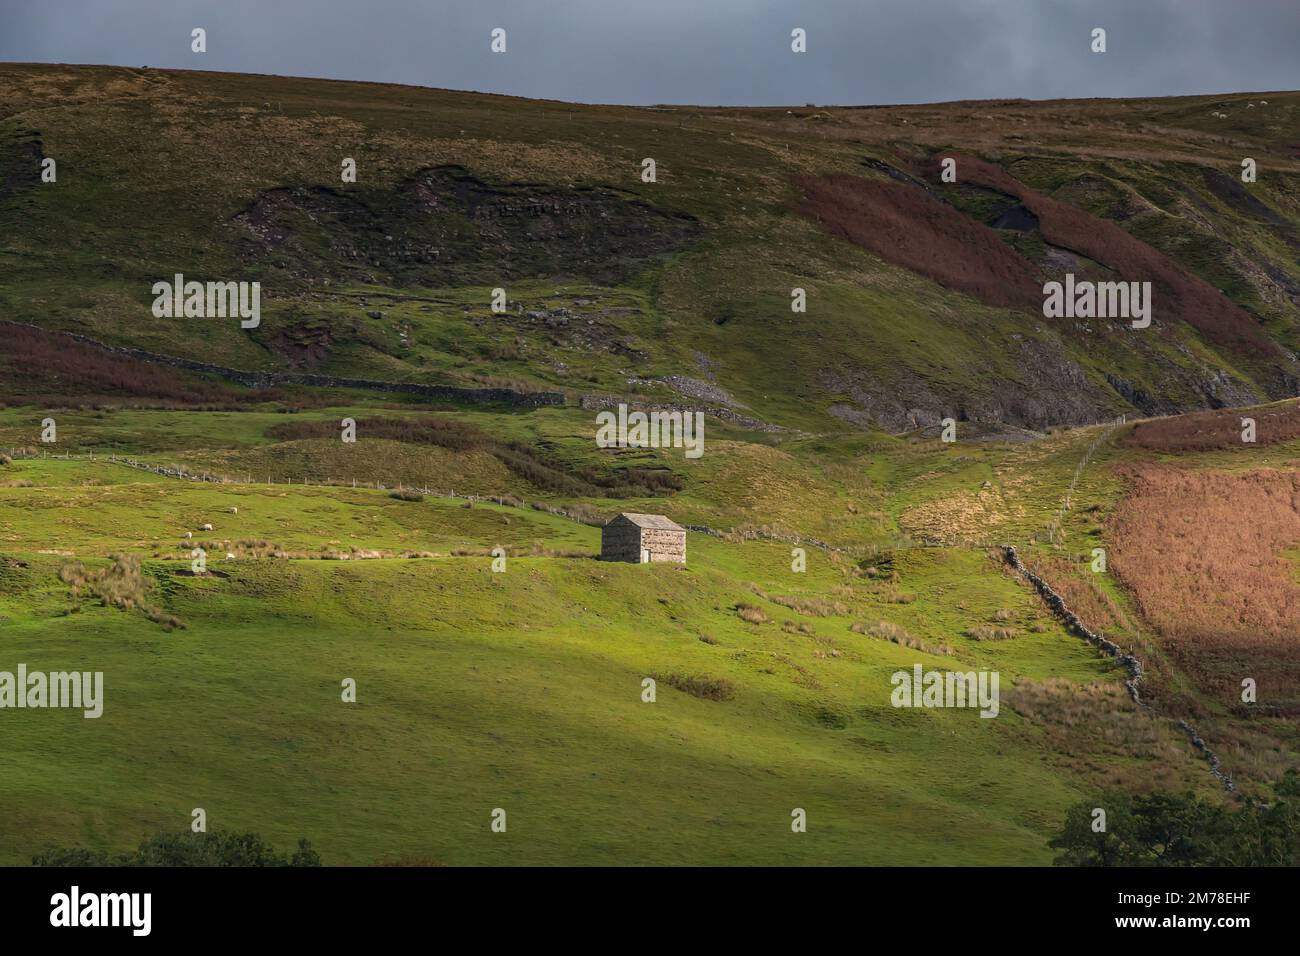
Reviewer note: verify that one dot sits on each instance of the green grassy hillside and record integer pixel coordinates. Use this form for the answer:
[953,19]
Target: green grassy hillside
[522,689]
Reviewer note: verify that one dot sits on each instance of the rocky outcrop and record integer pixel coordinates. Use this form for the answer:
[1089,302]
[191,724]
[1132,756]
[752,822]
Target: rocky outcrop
[598,402]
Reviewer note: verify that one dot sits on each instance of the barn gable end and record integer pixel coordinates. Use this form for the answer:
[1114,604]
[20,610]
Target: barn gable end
[641,539]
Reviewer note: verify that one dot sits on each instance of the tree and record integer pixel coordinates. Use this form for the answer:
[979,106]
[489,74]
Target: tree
[217,848]
[1162,829]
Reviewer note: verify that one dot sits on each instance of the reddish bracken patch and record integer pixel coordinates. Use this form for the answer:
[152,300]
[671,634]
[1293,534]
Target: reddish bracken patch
[46,368]
[1205,555]
[1178,293]
[905,226]
[1222,428]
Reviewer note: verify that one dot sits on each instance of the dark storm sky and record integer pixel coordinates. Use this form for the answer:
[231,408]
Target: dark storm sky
[695,51]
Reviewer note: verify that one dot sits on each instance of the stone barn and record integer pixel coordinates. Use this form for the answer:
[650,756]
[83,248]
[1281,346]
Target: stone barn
[642,539]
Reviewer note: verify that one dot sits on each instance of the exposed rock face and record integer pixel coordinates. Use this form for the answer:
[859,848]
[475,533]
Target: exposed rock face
[1052,390]
[443,226]
[689,387]
[598,402]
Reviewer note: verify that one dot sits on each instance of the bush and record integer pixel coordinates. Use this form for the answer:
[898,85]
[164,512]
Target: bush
[218,848]
[1162,829]
[406,495]
[751,614]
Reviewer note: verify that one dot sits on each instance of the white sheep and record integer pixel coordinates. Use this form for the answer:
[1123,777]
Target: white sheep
[188,535]
[233,510]
[206,527]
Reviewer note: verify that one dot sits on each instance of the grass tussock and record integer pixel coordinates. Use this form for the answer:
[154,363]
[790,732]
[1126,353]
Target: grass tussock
[985,632]
[895,634]
[811,606]
[122,585]
[890,594]
[705,688]
[1097,731]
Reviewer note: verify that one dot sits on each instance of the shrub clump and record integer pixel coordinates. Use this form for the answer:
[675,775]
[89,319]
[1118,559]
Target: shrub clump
[705,688]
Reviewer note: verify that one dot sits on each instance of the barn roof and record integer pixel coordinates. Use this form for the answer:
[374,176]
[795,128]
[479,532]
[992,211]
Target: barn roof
[658,522]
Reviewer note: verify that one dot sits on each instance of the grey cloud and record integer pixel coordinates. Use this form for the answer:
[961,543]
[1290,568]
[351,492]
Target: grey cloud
[695,51]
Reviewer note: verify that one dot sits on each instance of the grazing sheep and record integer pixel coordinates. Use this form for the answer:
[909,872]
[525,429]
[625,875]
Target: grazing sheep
[188,535]
[206,527]
[229,556]
[233,510]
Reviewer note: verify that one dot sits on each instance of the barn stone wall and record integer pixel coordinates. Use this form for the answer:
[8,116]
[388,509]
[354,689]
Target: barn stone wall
[623,541]
[620,541]
[664,545]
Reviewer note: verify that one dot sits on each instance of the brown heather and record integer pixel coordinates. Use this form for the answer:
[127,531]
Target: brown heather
[1207,431]
[54,367]
[1095,607]
[1205,556]
[907,227]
